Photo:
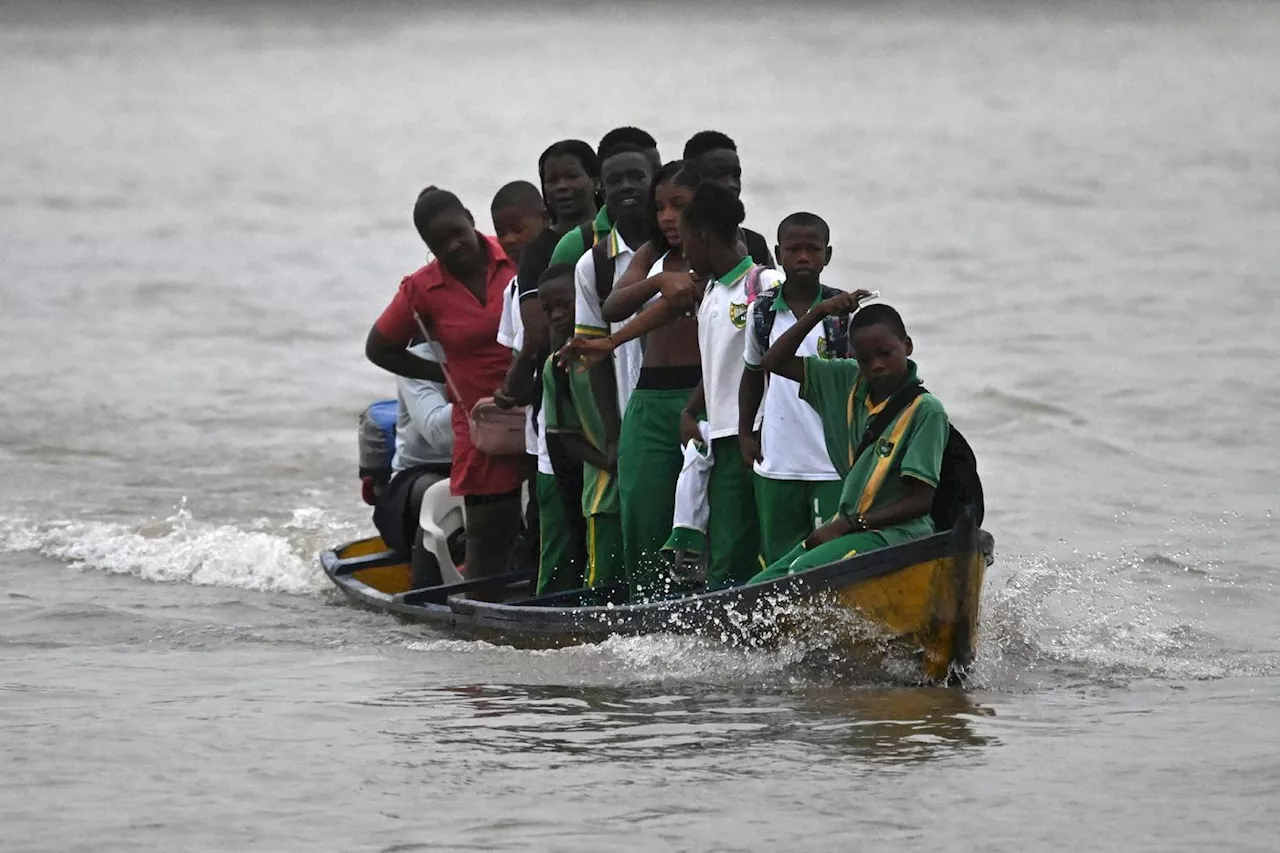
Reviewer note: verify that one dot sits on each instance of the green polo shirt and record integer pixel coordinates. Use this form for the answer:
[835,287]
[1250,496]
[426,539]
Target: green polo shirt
[572,247]
[911,446]
[599,487]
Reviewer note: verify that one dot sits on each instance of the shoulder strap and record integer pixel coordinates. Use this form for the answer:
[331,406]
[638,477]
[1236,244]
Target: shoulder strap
[448,380]
[588,231]
[886,416]
[604,269]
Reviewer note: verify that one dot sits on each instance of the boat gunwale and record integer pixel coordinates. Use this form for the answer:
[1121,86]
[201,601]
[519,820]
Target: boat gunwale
[603,620]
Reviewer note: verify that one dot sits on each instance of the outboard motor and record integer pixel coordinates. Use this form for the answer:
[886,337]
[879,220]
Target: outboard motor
[376,439]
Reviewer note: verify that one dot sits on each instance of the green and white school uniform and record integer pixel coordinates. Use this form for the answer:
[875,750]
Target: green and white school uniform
[796,484]
[912,446]
[560,557]
[600,505]
[588,319]
[733,534]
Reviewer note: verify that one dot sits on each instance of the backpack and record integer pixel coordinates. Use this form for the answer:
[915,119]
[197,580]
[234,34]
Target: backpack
[835,330]
[959,488]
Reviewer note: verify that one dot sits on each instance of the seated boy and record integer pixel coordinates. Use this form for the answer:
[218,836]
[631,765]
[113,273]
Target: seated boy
[796,484]
[888,485]
[582,421]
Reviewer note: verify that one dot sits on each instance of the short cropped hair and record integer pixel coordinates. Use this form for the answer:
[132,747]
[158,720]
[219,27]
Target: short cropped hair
[878,314]
[575,148]
[516,194]
[716,209]
[554,272]
[707,140]
[622,148]
[629,135]
[805,220]
[431,202]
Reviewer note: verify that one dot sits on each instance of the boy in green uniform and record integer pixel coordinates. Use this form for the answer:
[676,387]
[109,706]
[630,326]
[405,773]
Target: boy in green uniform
[558,483]
[574,244]
[888,489]
[582,417]
[796,484]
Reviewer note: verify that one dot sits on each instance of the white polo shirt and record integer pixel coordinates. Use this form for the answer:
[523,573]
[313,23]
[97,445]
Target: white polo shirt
[589,322]
[722,324]
[511,336]
[791,436]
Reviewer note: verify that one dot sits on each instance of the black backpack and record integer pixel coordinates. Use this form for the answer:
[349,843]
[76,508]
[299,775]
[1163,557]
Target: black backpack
[835,329]
[959,487]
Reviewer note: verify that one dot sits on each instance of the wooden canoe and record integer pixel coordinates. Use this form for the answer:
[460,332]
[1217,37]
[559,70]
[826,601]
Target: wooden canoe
[921,596]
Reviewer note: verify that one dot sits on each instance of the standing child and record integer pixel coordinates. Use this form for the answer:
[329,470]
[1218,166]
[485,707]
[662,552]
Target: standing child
[582,418]
[649,458]
[519,215]
[795,482]
[710,242]
[889,483]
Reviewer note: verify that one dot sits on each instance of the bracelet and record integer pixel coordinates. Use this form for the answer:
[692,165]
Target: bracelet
[857,522]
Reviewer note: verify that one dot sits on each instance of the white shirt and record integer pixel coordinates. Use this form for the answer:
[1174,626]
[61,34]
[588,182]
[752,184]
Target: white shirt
[588,320]
[791,431]
[722,323]
[511,336]
[510,316]
[424,429]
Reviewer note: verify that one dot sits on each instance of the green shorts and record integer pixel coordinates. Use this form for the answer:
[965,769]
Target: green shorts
[792,509]
[604,550]
[560,559]
[649,461]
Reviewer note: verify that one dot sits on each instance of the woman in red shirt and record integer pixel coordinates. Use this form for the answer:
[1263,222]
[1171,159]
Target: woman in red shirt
[459,298]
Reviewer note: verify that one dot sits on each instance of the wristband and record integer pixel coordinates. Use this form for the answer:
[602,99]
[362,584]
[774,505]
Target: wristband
[857,522]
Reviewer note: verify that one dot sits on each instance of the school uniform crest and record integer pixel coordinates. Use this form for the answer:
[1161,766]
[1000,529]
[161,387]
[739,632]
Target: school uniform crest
[884,448]
[738,314]
[823,350]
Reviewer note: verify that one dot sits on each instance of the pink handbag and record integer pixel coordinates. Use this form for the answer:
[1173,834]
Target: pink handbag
[497,431]
[494,430]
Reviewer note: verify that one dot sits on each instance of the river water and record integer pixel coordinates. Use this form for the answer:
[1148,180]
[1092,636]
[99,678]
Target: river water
[204,206]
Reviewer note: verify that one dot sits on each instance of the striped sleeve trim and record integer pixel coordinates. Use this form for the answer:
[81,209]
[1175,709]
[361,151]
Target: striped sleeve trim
[590,331]
[924,478]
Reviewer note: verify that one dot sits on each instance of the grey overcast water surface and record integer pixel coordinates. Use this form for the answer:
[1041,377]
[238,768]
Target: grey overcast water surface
[204,206]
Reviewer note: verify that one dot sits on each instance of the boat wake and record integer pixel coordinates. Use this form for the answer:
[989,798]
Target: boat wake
[264,556]
[1044,622]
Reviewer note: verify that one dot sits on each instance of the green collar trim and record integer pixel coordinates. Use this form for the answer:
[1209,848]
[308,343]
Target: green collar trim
[602,224]
[732,276]
[779,303]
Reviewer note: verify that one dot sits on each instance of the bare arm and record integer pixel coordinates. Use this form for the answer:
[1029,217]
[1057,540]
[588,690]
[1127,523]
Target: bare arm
[393,357]
[917,501]
[689,415]
[580,450]
[781,357]
[750,393]
[635,288]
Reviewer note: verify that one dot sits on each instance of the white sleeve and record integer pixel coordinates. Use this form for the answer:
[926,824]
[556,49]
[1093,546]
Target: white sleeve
[506,330]
[754,349]
[517,325]
[587,319]
[429,411]
[771,278]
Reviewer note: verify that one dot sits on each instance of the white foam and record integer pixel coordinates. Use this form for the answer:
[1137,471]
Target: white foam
[182,549]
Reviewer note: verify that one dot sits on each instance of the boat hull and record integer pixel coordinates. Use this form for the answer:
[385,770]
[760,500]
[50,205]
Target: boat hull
[922,596]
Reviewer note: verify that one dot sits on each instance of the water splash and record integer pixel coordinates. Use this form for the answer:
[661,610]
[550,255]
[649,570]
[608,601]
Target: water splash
[261,556]
[1095,619]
